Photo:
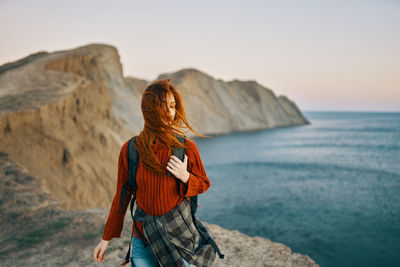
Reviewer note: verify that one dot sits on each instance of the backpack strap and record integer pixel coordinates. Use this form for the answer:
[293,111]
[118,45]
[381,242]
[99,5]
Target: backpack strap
[133,163]
[180,154]
[133,159]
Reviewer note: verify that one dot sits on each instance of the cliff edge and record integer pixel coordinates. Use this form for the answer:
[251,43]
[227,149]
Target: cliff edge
[36,231]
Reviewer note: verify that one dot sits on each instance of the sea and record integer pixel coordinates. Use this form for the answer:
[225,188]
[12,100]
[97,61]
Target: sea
[329,189]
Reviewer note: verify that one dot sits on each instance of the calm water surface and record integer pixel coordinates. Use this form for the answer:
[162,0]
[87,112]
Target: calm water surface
[330,190]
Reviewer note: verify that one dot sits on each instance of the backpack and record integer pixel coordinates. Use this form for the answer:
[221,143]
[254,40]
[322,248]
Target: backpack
[131,186]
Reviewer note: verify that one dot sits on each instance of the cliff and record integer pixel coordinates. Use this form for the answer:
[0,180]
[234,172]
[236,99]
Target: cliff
[63,118]
[57,120]
[214,106]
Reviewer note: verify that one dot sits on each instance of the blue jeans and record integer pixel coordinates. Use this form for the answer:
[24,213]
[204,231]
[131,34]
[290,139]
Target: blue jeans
[144,256]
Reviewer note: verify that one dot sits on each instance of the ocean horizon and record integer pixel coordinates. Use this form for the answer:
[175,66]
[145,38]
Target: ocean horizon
[329,189]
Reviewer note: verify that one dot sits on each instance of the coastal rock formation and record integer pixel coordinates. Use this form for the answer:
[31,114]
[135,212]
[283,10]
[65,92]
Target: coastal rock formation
[63,118]
[56,119]
[216,107]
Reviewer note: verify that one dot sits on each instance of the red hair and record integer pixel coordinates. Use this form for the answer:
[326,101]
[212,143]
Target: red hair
[155,112]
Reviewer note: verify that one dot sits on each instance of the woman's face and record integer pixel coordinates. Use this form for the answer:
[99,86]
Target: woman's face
[170,101]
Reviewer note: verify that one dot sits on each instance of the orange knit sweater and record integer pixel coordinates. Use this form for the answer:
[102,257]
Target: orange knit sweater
[155,194]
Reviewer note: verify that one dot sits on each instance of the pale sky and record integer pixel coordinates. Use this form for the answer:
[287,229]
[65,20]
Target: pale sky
[324,55]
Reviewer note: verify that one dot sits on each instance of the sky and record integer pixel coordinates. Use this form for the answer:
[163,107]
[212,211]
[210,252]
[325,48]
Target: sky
[323,55]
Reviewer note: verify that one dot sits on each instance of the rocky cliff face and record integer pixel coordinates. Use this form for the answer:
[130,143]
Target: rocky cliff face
[217,107]
[57,120]
[64,117]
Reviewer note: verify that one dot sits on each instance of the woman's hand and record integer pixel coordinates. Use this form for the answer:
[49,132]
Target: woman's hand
[99,251]
[178,168]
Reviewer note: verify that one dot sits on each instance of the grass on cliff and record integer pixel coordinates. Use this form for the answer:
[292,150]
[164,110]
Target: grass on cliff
[40,234]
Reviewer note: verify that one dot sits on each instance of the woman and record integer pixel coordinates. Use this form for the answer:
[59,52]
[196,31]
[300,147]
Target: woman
[157,193]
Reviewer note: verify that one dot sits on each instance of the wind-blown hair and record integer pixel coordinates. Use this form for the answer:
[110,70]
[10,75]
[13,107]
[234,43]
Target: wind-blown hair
[155,114]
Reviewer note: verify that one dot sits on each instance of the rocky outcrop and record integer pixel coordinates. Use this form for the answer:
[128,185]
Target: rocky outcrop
[217,107]
[63,119]
[57,120]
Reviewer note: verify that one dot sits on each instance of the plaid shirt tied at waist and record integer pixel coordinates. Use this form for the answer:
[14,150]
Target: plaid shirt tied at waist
[174,235]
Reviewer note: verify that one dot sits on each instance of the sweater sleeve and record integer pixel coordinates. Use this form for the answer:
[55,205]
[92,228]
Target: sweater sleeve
[115,221]
[198,181]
